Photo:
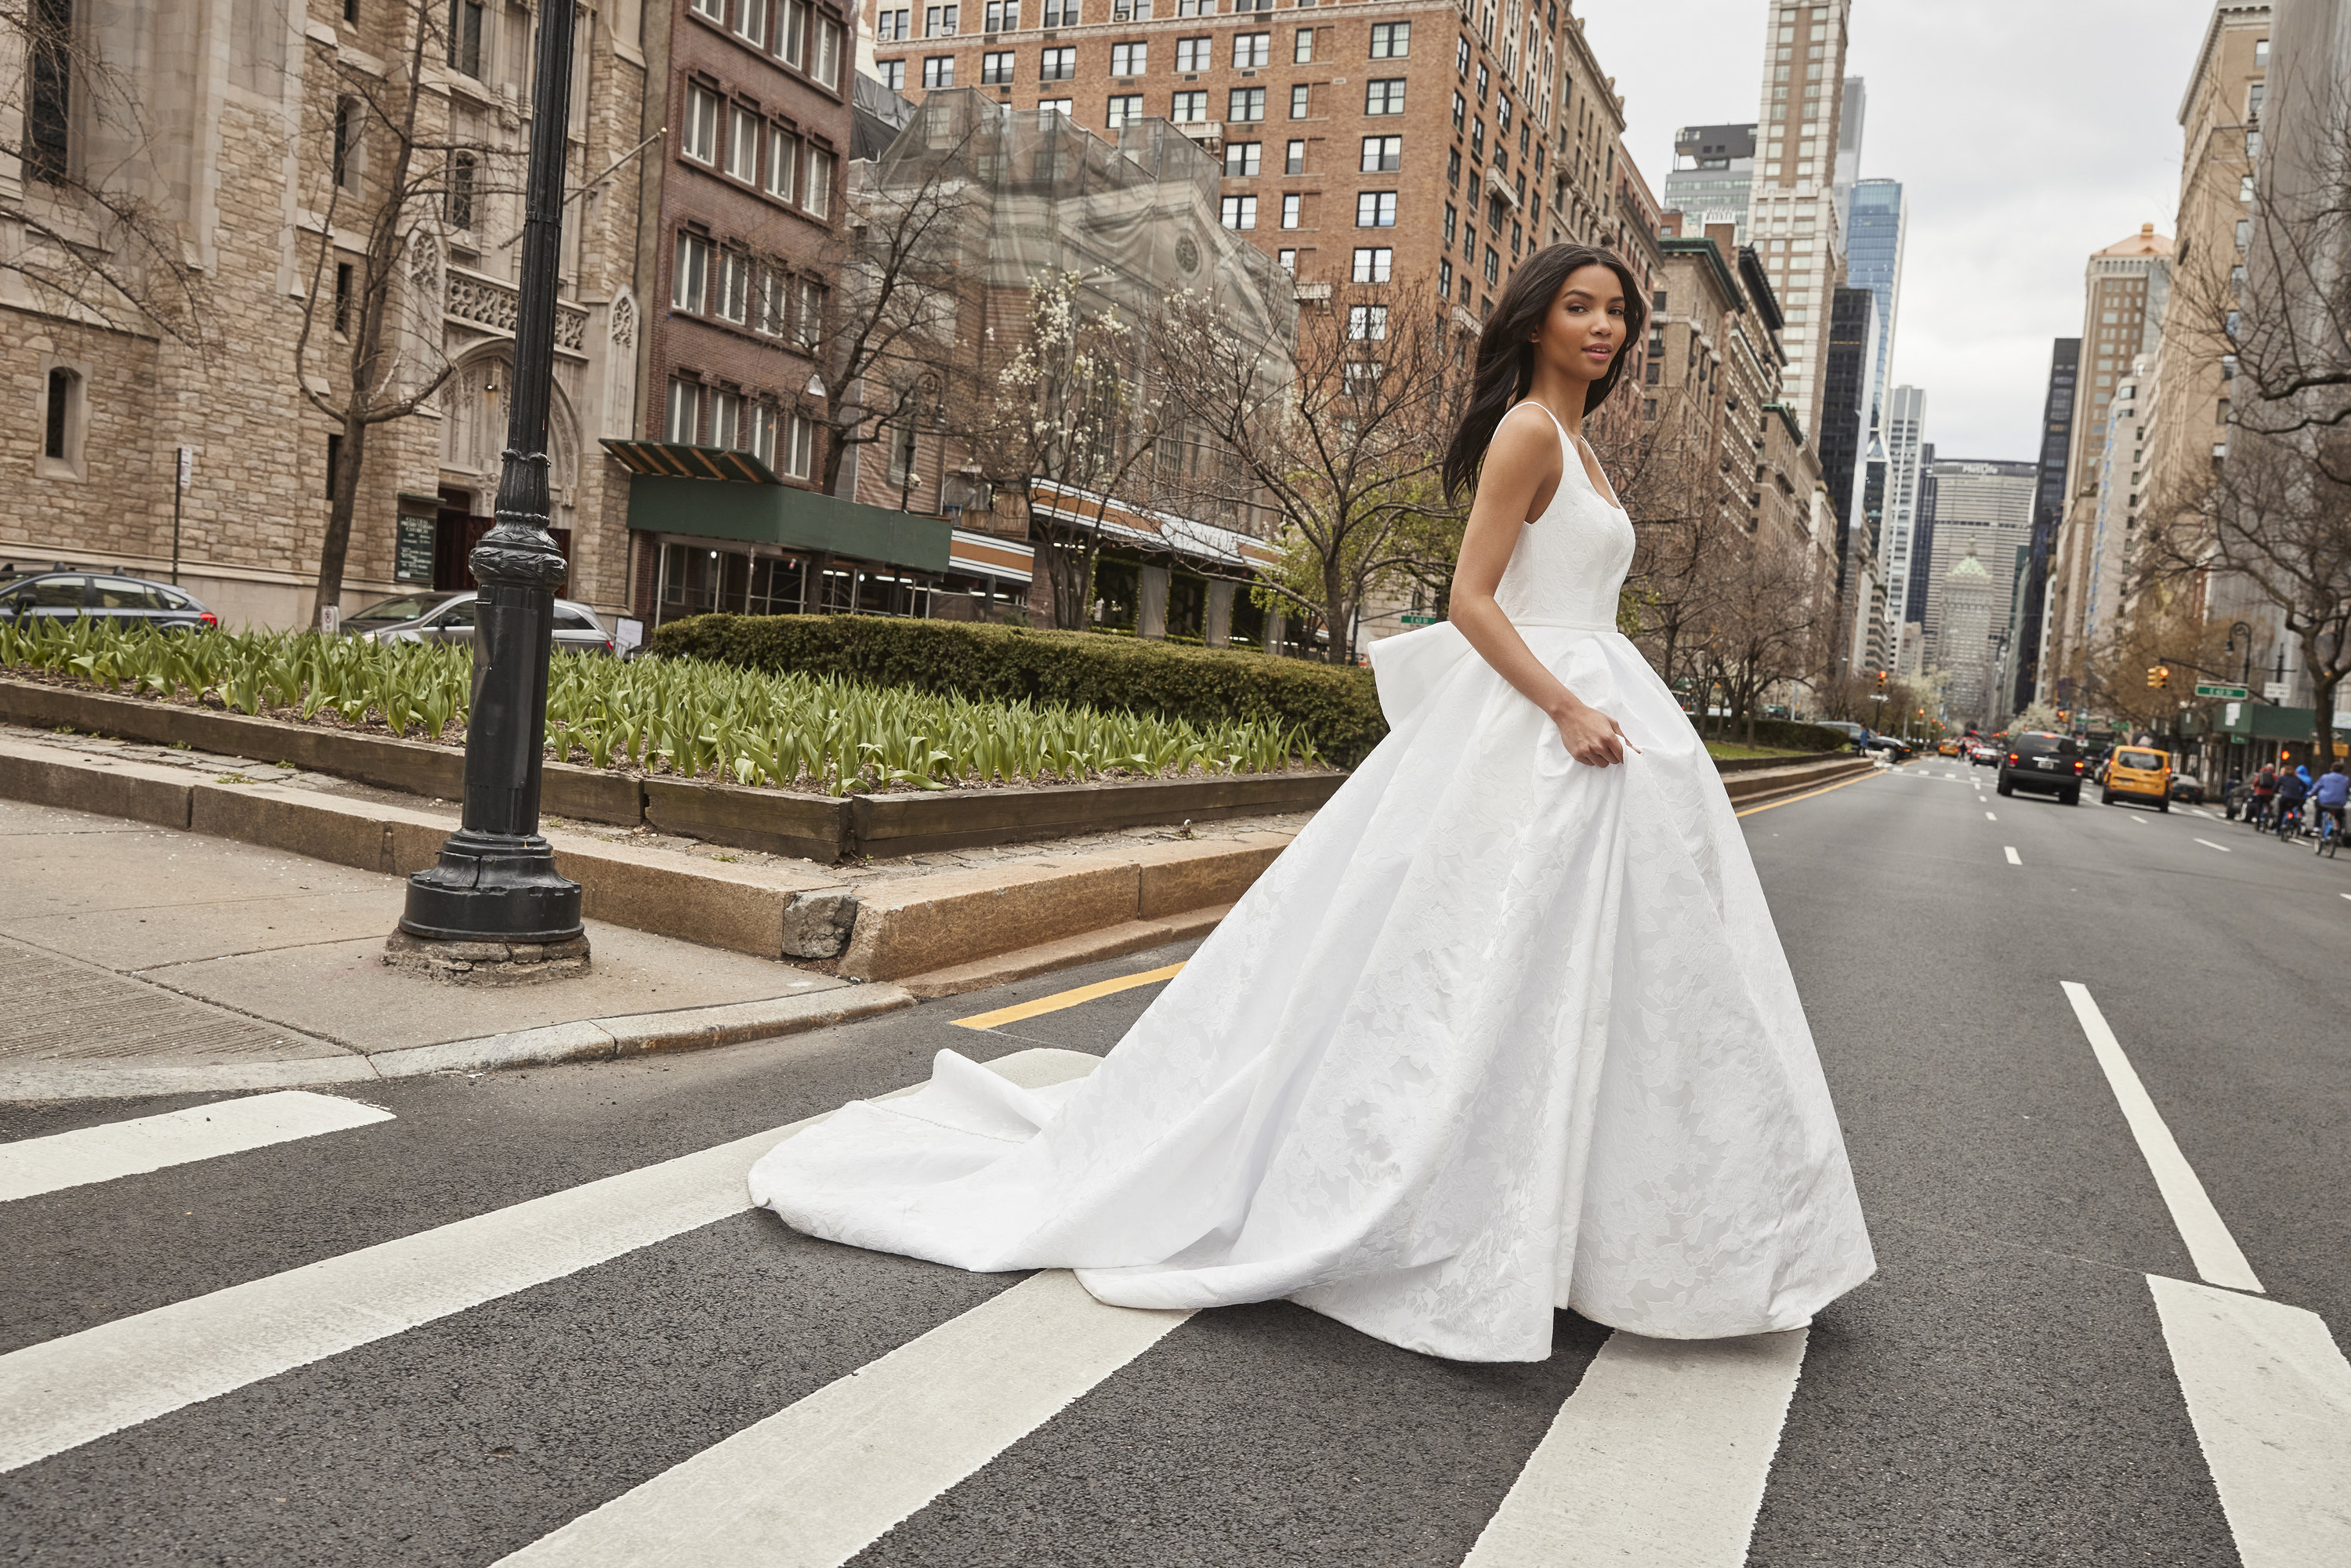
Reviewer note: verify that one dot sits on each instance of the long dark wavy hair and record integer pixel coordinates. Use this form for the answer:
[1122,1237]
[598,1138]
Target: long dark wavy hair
[1506,349]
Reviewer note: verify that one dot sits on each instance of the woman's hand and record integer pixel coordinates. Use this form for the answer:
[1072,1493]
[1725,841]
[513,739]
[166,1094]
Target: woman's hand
[1591,737]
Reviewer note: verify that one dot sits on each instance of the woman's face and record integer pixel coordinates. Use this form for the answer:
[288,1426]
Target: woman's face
[1584,331]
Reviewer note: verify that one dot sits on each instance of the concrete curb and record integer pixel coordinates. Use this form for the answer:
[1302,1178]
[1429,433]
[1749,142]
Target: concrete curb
[594,1040]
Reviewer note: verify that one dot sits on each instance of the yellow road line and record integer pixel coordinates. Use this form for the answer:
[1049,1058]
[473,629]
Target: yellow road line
[1807,794]
[1061,1000]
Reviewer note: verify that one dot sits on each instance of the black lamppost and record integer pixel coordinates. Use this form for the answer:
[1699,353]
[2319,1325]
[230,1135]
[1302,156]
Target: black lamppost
[496,881]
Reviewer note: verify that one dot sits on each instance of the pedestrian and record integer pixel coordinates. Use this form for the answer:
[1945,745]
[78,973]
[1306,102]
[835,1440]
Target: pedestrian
[1505,1031]
[2330,794]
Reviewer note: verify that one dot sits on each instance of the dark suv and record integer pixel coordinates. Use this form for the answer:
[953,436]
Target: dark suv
[2045,763]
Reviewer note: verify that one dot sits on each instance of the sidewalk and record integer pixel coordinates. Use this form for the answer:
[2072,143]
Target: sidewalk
[137,959]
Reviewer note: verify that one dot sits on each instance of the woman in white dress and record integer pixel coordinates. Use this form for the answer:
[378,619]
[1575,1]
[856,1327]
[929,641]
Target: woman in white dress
[1506,1028]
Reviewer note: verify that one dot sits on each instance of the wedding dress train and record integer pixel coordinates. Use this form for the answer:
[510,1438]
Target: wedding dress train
[1498,1033]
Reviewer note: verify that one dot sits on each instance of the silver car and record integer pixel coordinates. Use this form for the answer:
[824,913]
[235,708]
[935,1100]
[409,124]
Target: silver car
[449,618]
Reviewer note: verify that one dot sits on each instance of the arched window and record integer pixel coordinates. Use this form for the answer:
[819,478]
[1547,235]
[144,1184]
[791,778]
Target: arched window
[58,428]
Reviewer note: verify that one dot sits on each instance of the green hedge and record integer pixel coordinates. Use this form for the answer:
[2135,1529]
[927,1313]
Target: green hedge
[1335,705]
[1788,733]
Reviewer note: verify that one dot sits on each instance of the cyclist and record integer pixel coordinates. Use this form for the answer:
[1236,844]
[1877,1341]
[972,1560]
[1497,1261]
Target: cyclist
[2330,794]
[2257,810]
[2292,790]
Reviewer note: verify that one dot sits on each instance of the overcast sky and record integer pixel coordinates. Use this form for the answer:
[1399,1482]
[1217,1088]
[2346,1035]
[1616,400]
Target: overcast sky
[2027,133]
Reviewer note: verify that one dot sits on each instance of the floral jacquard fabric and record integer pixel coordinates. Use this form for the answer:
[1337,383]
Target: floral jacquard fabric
[1498,1033]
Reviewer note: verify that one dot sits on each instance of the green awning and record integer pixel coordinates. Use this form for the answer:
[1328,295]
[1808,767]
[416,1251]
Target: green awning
[790,517]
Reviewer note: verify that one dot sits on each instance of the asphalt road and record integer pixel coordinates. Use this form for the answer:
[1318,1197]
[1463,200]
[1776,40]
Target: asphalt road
[2003,1391]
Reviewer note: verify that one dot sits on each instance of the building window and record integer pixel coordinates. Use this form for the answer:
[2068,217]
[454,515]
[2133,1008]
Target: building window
[1294,163]
[691,286]
[1461,110]
[343,297]
[1241,159]
[1374,264]
[1293,209]
[346,131]
[1391,40]
[792,37]
[894,74]
[1002,16]
[769,316]
[1453,168]
[1493,263]
[938,70]
[1287,260]
[1367,323]
[461,191]
[58,422]
[1246,104]
[808,327]
[939,21]
[1450,219]
[800,446]
[763,422]
[1240,212]
[784,160]
[751,20]
[1061,106]
[1188,108]
[893,26]
[1060,13]
[48,100]
[1383,154]
[1251,50]
[1384,95]
[1376,210]
[465,37]
[1122,110]
[1301,49]
[1058,65]
[334,463]
[714,9]
[684,410]
[702,124]
[743,140]
[734,286]
[1192,54]
[726,420]
[1129,59]
[1461,58]
[996,66]
[819,198]
[1443,279]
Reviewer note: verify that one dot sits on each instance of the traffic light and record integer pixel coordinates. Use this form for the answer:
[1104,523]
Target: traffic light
[1881,680]
[2158,676]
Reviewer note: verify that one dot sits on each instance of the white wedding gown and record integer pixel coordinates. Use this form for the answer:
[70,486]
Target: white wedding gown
[1498,1033]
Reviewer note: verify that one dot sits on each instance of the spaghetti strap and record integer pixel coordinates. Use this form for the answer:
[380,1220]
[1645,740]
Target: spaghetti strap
[1573,446]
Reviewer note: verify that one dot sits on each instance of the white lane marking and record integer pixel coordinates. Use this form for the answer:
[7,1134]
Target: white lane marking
[66,1392]
[2210,845]
[1658,1460]
[2010,851]
[2215,1251]
[34,1165]
[2270,1395]
[1990,818]
[821,1479]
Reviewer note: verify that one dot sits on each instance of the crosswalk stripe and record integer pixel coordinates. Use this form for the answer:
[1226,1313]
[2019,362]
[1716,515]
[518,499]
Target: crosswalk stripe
[31,1167]
[821,1479]
[2270,1395]
[2214,1250]
[1657,1459]
[66,1392]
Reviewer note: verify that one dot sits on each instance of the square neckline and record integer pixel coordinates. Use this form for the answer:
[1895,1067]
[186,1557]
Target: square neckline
[1606,498]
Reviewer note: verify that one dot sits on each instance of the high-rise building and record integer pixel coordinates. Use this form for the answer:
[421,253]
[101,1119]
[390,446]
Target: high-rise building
[1922,540]
[1966,593]
[2048,508]
[2124,288]
[1984,510]
[1848,154]
[1872,647]
[1852,332]
[1902,433]
[1873,260]
[1712,177]
[1400,143]
[1792,213]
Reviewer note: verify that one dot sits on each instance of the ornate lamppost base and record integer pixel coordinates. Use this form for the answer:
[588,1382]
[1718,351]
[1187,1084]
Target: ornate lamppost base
[486,962]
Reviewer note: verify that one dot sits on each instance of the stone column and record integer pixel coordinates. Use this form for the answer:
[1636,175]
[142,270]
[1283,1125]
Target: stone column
[1277,626]
[1151,608]
[1218,630]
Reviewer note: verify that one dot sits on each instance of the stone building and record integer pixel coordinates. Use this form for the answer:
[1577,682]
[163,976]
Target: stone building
[1967,596]
[255,123]
[1981,509]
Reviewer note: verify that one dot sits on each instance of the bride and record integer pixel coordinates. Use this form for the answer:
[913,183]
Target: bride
[1506,1028]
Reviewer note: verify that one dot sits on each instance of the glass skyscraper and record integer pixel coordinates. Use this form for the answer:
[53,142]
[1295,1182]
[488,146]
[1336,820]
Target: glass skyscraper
[1873,260]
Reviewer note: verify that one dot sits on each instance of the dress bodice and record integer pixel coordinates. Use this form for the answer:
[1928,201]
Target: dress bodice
[1571,561]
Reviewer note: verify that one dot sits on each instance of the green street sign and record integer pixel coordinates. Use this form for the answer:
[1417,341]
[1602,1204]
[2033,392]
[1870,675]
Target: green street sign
[1419,620]
[2231,694]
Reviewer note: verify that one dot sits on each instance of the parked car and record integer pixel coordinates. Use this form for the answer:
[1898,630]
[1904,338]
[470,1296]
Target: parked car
[2045,764]
[2189,787]
[1894,745]
[448,617]
[1844,726]
[2137,773]
[108,596]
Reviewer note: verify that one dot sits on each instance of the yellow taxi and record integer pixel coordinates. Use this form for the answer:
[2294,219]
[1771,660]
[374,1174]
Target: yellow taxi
[2137,773]
[1946,748]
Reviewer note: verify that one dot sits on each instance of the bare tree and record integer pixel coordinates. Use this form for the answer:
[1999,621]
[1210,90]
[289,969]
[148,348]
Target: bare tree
[1335,442]
[1760,632]
[97,242]
[2286,312]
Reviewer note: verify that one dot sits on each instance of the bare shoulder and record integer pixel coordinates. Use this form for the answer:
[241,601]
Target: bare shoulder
[1525,441]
